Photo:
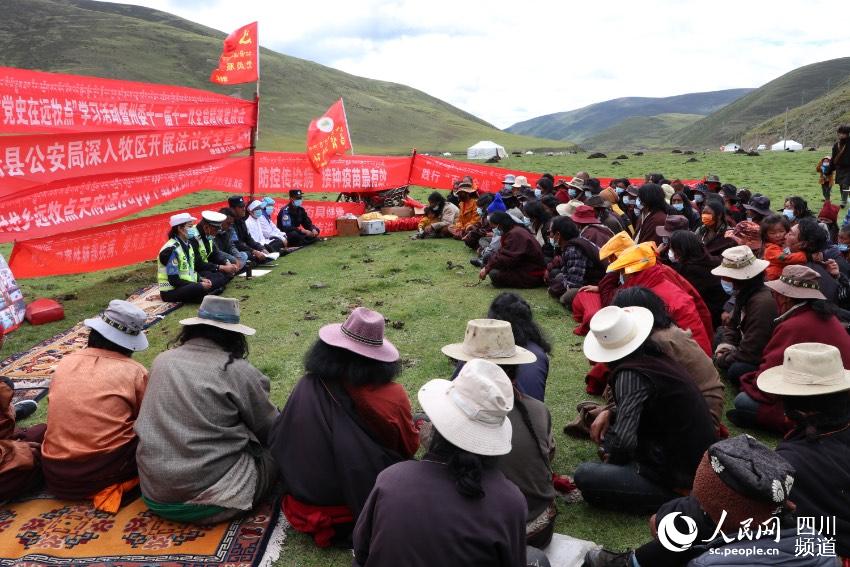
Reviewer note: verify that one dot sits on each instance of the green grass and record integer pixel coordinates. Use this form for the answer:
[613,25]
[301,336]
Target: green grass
[408,281]
[641,132]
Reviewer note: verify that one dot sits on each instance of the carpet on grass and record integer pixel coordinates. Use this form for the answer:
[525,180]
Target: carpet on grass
[43,531]
[30,371]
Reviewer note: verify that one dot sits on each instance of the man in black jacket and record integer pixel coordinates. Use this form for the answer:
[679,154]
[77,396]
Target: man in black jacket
[295,222]
[243,241]
[840,162]
[210,262]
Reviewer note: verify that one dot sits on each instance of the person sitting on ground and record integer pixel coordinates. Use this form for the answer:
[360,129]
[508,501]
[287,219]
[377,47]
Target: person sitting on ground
[256,224]
[828,219]
[591,228]
[682,205]
[20,449]
[602,209]
[519,261]
[808,237]
[346,420]
[206,410]
[741,341]
[818,446]
[210,262]
[629,206]
[804,317]
[475,515]
[490,244]
[687,255]
[712,233]
[758,209]
[734,213]
[228,242]
[294,221]
[562,191]
[796,209]
[545,186]
[467,215]
[662,424]
[653,209]
[739,482]
[747,233]
[530,378]
[575,265]
[97,390]
[176,275]
[673,223]
[529,463]
[774,230]
[244,241]
[575,188]
[540,221]
[439,216]
[480,229]
[550,205]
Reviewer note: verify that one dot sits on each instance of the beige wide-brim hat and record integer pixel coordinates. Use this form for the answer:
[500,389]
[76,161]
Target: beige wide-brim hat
[568,209]
[471,411]
[808,369]
[739,263]
[491,340]
[221,312]
[797,282]
[616,332]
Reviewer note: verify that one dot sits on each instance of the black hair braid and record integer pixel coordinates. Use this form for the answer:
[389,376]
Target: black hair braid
[526,419]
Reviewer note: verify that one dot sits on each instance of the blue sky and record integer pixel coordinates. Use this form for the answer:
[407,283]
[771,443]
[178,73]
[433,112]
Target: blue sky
[507,61]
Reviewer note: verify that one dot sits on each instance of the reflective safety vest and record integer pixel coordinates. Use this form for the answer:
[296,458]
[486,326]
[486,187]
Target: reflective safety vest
[185,265]
[205,253]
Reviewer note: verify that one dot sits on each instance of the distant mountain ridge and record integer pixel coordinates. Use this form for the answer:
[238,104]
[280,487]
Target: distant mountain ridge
[584,123]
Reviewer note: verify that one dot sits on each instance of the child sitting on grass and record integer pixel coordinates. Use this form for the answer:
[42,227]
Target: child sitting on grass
[774,228]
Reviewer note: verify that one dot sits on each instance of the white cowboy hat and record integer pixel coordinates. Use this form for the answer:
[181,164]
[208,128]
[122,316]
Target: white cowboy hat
[739,263]
[616,332]
[808,369]
[221,312]
[491,340]
[471,412]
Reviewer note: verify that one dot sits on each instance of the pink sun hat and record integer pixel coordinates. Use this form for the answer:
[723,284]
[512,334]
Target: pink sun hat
[363,334]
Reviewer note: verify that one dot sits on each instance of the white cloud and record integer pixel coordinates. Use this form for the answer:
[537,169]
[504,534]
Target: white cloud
[507,61]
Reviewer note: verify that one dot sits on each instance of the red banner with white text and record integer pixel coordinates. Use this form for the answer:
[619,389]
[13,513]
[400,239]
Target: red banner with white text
[130,242]
[35,101]
[99,248]
[282,171]
[26,161]
[72,205]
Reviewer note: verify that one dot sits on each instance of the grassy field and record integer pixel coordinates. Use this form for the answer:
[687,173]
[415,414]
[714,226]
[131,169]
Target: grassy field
[423,287]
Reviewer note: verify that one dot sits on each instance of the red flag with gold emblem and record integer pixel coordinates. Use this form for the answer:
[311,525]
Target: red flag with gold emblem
[328,136]
[239,61]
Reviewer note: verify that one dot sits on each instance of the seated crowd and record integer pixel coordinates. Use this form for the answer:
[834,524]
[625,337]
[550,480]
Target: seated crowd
[676,289]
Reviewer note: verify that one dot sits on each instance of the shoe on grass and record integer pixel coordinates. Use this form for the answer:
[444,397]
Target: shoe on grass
[476,262]
[604,558]
[24,409]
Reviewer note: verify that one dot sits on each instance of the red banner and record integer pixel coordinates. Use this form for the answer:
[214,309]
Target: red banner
[65,206]
[130,242]
[34,101]
[281,171]
[26,161]
[239,58]
[328,136]
[98,248]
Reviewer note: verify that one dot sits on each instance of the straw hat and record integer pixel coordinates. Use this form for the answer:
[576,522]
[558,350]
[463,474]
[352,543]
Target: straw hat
[635,259]
[568,209]
[798,282]
[616,244]
[809,369]
[121,323]
[471,411]
[616,332]
[492,340]
[221,312]
[363,334]
[739,263]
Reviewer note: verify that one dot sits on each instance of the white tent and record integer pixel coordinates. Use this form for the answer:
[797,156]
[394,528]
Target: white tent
[762,147]
[485,149]
[731,148]
[782,145]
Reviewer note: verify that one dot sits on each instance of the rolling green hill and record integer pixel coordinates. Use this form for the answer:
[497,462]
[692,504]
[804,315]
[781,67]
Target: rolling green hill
[812,124]
[640,132]
[584,123]
[133,43]
[791,90]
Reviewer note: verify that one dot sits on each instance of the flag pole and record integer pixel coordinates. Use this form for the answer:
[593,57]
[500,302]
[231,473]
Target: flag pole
[347,128]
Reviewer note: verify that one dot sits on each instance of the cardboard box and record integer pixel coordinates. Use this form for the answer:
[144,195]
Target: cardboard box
[372,227]
[400,212]
[347,227]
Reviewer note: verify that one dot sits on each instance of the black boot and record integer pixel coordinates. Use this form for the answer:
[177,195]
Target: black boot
[477,262]
[604,558]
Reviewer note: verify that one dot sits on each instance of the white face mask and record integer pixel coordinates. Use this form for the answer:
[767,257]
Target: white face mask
[728,287]
[671,256]
[622,279]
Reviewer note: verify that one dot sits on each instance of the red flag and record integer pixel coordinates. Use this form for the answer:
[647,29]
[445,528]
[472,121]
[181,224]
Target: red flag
[239,61]
[328,136]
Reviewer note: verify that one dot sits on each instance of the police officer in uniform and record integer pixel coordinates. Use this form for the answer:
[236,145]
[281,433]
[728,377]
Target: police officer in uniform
[176,275]
[210,262]
[294,221]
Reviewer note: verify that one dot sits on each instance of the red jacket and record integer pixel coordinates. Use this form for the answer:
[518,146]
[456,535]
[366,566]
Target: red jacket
[801,326]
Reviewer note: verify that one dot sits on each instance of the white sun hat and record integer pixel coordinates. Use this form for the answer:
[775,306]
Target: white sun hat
[471,412]
[616,332]
[492,340]
[808,369]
